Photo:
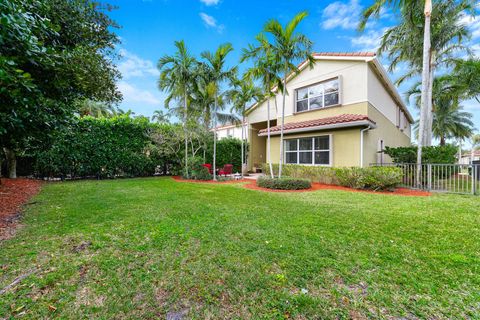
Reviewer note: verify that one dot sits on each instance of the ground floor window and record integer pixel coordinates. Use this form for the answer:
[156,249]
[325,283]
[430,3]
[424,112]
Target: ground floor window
[310,150]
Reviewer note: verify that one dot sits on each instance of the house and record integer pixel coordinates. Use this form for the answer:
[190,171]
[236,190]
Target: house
[340,113]
[467,157]
[232,131]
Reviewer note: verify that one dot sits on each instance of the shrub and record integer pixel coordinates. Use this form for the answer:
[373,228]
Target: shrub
[433,154]
[228,152]
[382,178]
[313,173]
[201,173]
[375,178]
[351,177]
[286,183]
[101,147]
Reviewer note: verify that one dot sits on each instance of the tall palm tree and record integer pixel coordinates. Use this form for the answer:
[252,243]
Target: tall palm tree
[215,63]
[449,120]
[403,43]
[411,6]
[160,117]
[177,76]
[265,68]
[243,92]
[289,46]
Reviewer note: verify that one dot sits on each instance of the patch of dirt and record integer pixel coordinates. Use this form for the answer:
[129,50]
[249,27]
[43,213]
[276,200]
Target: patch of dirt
[14,194]
[320,186]
[82,246]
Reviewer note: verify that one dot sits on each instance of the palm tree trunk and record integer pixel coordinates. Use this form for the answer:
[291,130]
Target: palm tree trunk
[442,140]
[243,154]
[269,160]
[215,140]
[11,163]
[430,109]
[185,131]
[424,98]
[283,122]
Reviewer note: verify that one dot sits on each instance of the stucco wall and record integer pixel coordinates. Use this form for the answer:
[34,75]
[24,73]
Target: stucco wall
[346,146]
[386,131]
[353,86]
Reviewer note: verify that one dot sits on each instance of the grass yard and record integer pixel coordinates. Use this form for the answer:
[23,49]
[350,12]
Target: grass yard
[143,248]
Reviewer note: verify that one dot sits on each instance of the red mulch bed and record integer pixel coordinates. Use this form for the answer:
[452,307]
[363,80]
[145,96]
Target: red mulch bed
[14,193]
[320,186]
[251,184]
[180,179]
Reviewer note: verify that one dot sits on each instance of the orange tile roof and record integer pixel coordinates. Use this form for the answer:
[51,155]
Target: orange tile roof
[344,118]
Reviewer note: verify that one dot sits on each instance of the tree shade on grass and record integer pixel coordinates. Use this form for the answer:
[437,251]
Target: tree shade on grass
[142,248]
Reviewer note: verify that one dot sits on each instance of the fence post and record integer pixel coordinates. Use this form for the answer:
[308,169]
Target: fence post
[474,179]
[429,178]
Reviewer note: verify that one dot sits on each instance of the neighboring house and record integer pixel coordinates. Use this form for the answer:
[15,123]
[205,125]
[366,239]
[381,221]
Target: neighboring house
[341,113]
[467,157]
[232,131]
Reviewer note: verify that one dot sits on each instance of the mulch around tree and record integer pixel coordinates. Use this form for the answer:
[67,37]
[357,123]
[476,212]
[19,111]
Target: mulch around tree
[14,194]
[251,184]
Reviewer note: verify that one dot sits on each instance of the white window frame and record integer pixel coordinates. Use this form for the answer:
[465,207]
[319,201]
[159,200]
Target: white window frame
[330,151]
[338,92]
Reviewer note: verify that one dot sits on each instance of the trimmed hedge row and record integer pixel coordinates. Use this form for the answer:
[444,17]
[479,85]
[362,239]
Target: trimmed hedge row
[372,178]
[285,183]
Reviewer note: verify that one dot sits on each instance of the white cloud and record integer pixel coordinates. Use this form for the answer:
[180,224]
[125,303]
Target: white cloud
[369,41]
[132,94]
[472,23]
[132,65]
[340,14]
[211,22]
[210,2]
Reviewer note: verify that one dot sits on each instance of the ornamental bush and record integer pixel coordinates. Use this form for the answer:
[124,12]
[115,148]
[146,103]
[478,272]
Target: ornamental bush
[98,147]
[434,154]
[382,178]
[284,183]
[373,178]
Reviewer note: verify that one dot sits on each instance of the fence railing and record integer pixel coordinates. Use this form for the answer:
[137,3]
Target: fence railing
[454,178]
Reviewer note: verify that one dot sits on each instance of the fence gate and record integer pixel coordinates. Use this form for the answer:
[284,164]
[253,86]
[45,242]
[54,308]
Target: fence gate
[453,178]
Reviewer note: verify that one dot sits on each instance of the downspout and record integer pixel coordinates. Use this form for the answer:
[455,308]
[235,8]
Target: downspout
[361,144]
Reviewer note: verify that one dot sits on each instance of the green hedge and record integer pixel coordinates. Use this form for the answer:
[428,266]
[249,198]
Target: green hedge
[99,147]
[372,178]
[228,152]
[285,183]
[435,154]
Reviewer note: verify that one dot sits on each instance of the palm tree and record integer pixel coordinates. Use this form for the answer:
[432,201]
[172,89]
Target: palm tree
[95,109]
[411,6]
[218,73]
[160,117]
[403,43]
[449,120]
[288,46]
[176,76]
[266,68]
[243,92]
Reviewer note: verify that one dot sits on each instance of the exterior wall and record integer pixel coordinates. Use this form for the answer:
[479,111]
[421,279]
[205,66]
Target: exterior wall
[379,97]
[356,108]
[345,146]
[353,88]
[386,131]
[232,131]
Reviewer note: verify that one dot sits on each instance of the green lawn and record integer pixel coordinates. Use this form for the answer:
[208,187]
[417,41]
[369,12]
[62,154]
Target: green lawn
[142,248]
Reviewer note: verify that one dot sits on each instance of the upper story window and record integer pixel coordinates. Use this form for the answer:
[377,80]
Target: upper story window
[317,96]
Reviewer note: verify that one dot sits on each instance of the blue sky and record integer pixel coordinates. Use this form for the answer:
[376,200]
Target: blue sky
[149,28]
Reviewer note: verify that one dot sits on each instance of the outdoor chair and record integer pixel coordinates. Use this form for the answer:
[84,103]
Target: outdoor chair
[227,169]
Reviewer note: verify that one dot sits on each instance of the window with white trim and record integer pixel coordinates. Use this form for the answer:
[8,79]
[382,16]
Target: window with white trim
[310,150]
[317,96]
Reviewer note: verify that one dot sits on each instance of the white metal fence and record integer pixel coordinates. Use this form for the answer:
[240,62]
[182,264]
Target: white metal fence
[453,178]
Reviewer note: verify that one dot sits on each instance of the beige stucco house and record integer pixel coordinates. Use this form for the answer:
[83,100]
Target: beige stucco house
[341,112]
